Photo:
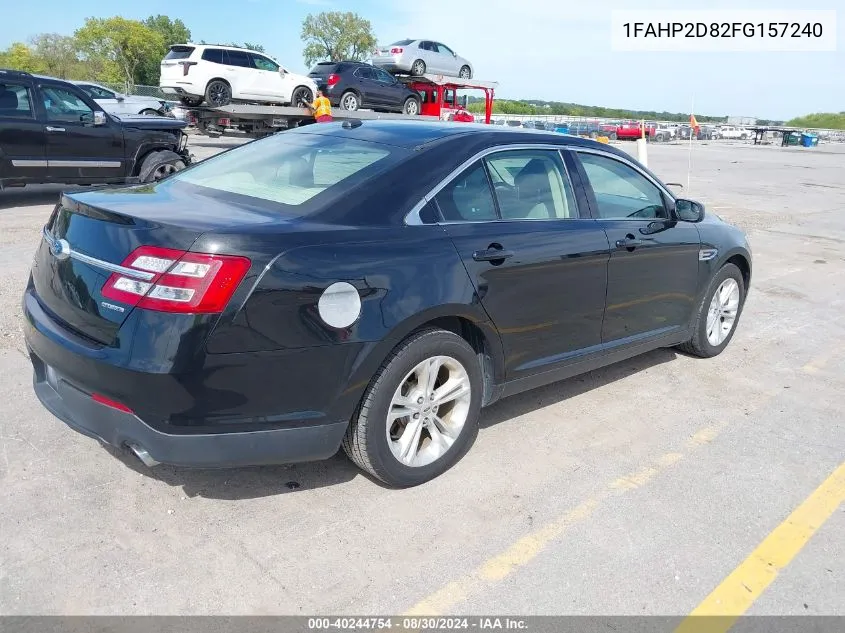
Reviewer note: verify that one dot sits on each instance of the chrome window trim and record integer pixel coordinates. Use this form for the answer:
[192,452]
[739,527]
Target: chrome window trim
[412,218]
[99,263]
[629,163]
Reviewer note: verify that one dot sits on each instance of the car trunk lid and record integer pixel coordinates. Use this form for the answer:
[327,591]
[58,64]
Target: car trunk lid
[91,235]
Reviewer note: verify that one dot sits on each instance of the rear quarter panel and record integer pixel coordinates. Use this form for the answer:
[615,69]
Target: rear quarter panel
[406,277]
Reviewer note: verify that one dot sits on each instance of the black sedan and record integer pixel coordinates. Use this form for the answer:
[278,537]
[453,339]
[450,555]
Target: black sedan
[370,285]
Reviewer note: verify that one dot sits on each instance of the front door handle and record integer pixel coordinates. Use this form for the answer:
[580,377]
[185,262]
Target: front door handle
[54,129]
[494,253]
[630,242]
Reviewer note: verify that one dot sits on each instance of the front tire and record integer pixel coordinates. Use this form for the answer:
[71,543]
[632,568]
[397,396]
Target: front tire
[465,72]
[718,314]
[150,112]
[218,93]
[190,102]
[411,107]
[159,165]
[420,413]
[299,94]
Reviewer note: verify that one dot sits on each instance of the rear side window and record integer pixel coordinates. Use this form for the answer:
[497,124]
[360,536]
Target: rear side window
[14,101]
[290,169]
[468,197]
[179,52]
[237,58]
[213,55]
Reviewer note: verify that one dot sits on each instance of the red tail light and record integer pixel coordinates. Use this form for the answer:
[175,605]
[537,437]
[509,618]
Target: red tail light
[186,66]
[182,282]
[333,79]
[396,51]
[224,122]
[114,404]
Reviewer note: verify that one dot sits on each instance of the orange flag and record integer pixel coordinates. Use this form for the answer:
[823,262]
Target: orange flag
[693,123]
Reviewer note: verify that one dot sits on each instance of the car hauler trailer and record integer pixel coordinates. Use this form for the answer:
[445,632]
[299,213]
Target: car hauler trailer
[438,97]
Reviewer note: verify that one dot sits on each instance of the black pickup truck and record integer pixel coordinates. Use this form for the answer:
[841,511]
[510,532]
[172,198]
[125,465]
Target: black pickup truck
[53,132]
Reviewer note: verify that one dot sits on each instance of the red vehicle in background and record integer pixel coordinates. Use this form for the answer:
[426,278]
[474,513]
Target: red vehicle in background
[631,130]
[439,96]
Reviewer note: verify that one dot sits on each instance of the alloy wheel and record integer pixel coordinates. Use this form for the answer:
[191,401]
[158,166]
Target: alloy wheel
[163,171]
[428,411]
[350,102]
[723,312]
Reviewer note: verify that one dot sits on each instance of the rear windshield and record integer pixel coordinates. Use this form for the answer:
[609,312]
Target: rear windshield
[323,68]
[290,169]
[402,43]
[179,52]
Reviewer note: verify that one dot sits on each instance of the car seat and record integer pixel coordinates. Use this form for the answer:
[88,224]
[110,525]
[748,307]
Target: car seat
[534,191]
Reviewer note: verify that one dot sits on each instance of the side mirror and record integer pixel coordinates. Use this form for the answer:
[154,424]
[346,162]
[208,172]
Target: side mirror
[120,97]
[282,71]
[689,210]
[99,117]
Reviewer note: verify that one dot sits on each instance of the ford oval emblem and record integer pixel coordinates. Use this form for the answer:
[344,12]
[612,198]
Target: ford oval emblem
[60,249]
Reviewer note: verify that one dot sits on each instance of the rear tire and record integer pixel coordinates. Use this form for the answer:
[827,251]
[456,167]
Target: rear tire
[374,439]
[728,282]
[190,102]
[218,93]
[150,112]
[159,165]
[411,107]
[350,101]
[418,68]
[613,136]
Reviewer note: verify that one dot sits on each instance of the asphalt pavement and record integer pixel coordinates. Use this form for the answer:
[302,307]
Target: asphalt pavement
[641,488]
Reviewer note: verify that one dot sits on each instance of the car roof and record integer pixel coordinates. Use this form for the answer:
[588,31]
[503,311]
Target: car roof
[228,48]
[417,134]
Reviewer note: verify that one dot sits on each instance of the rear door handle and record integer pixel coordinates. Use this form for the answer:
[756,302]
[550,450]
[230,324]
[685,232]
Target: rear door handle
[492,255]
[54,129]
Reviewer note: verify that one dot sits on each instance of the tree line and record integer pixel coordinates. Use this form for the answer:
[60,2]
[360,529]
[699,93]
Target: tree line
[118,50]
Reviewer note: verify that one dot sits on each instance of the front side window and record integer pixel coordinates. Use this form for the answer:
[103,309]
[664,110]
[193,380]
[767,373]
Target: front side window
[441,48]
[384,76]
[531,185]
[95,92]
[63,105]
[364,73]
[262,63]
[621,191]
[468,197]
[14,101]
[288,170]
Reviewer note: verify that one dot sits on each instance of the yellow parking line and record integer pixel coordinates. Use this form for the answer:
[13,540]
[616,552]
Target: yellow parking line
[531,545]
[733,597]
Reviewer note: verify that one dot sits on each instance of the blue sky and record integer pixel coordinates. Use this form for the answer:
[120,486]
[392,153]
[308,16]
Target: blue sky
[543,49]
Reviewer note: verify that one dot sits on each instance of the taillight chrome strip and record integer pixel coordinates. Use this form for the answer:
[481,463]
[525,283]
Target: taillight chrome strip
[60,249]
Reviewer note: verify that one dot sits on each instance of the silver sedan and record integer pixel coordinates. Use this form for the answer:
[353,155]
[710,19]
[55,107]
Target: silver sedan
[418,57]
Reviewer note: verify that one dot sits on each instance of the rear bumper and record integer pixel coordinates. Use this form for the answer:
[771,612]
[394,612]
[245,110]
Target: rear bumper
[125,430]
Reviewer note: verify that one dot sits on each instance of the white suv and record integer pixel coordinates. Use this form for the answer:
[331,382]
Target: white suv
[219,75]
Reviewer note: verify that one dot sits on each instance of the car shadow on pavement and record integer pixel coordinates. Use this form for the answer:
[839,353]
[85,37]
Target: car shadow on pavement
[233,484]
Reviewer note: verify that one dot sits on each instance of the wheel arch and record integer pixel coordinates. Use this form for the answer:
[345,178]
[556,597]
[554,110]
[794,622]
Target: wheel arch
[469,322]
[225,81]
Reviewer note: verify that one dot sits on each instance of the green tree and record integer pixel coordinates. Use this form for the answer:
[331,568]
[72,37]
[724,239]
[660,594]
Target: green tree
[820,120]
[19,56]
[335,35]
[121,42]
[59,55]
[171,32]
